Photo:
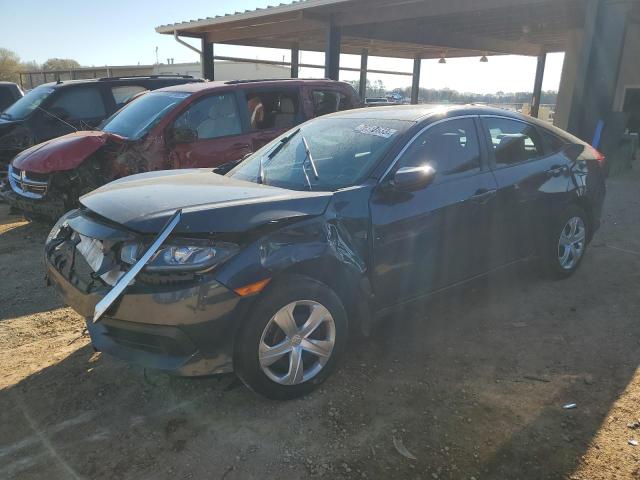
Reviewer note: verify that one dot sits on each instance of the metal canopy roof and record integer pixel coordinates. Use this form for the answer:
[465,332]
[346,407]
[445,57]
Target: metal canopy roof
[399,28]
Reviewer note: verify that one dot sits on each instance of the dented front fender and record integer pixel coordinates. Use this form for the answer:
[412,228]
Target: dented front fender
[333,248]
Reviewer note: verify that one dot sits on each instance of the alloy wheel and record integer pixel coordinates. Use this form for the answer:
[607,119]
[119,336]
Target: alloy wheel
[571,243]
[297,342]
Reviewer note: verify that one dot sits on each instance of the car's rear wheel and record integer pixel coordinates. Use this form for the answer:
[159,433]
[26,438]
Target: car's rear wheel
[292,340]
[568,242]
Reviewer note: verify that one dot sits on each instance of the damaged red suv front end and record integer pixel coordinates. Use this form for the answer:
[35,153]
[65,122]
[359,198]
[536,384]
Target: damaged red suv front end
[46,180]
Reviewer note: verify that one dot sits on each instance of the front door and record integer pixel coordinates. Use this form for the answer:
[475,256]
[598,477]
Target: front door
[71,108]
[208,133]
[434,237]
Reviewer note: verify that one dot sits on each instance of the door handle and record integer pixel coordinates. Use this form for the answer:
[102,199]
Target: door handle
[557,170]
[240,146]
[483,195]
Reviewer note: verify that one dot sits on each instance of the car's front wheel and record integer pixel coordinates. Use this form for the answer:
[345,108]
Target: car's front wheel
[292,340]
[568,242]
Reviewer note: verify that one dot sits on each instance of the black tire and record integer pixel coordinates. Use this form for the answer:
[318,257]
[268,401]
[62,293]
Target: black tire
[552,249]
[279,294]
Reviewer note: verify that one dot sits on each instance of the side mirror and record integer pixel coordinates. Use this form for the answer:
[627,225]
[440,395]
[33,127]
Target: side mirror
[182,135]
[413,178]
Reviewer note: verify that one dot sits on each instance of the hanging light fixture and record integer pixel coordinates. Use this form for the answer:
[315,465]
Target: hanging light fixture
[442,58]
[484,59]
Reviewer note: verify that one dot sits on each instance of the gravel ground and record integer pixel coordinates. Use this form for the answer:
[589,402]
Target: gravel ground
[472,385]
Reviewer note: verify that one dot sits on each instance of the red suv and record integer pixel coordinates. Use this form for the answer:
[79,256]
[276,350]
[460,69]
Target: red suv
[194,125]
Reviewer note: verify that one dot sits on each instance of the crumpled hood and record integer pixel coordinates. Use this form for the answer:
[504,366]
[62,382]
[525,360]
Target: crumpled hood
[210,203]
[62,153]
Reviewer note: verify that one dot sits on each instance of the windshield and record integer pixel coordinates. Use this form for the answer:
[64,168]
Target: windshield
[27,104]
[324,154]
[135,119]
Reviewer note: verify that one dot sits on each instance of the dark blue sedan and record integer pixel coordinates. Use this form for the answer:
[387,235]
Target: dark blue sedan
[265,270]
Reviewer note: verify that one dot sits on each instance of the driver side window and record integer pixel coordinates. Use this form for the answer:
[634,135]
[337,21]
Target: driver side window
[450,147]
[211,117]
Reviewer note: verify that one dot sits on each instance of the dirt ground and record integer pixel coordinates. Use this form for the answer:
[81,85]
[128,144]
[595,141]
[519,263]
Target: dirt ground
[472,385]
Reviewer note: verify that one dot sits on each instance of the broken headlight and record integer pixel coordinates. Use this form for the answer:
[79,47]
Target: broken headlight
[55,231]
[181,255]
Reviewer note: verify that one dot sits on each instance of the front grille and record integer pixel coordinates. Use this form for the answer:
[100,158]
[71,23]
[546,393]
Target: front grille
[28,184]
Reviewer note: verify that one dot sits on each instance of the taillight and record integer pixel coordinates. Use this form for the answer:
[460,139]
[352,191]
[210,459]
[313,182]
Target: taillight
[597,155]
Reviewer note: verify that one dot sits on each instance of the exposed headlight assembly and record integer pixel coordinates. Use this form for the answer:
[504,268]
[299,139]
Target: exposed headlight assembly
[55,231]
[182,255]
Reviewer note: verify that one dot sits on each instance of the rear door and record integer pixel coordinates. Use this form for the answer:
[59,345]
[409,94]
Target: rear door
[326,100]
[269,112]
[532,175]
[439,235]
[208,133]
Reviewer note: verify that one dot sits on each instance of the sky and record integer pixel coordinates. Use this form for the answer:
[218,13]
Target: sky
[122,32]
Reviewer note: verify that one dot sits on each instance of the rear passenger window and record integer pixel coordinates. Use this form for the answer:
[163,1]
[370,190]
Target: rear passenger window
[80,103]
[449,147]
[273,109]
[212,117]
[553,144]
[513,141]
[327,101]
[122,94]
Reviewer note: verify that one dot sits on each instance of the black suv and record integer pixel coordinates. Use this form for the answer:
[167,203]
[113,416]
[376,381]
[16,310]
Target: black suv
[9,93]
[55,109]
[265,270]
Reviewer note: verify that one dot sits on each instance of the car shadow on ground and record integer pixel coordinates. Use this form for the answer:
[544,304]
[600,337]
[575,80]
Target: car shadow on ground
[502,357]
[20,239]
[472,383]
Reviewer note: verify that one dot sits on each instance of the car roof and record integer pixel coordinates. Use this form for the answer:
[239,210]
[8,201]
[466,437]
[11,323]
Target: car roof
[276,82]
[109,80]
[416,113]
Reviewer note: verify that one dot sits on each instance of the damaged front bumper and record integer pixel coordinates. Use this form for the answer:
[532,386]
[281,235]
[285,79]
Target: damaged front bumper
[47,209]
[187,328]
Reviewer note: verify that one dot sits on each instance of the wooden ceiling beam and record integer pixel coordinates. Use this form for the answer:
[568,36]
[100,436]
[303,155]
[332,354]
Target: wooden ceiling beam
[388,11]
[442,39]
[249,32]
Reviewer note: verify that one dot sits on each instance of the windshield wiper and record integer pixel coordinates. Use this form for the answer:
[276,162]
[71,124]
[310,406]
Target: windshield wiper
[274,152]
[310,158]
[57,118]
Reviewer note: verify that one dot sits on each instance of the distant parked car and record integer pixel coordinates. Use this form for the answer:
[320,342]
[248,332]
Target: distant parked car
[9,93]
[376,101]
[55,109]
[265,271]
[186,126]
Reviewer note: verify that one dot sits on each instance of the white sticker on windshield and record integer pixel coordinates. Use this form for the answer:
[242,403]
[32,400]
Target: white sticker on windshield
[375,130]
[177,94]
